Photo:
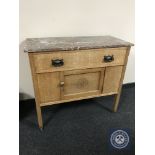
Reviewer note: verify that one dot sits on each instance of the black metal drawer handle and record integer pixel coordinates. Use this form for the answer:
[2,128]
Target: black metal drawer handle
[57,62]
[108,58]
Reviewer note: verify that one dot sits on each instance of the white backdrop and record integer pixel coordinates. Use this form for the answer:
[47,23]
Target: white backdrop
[57,18]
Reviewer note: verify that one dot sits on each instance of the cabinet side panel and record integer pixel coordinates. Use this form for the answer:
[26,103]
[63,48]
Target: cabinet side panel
[112,79]
[49,86]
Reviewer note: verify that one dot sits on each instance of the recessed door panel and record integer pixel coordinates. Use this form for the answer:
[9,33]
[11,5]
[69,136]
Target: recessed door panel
[80,83]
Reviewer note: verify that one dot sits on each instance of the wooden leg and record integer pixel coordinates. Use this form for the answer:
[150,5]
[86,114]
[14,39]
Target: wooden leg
[116,101]
[117,97]
[36,91]
[39,115]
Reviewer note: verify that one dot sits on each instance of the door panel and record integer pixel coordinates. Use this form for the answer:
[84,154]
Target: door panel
[80,83]
[112,79]
[49,86]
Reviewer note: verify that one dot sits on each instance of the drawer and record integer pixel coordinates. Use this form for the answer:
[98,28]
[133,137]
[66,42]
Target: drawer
[80,59]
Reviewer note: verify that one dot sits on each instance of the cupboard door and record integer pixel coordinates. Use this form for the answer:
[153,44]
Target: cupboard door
[80,83]
[49,86]
[112,79]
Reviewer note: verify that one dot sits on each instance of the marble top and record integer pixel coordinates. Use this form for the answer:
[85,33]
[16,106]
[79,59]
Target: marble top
[73,43]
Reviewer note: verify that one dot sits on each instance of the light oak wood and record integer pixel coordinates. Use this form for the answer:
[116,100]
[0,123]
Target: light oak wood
[49,86]
[84,75]
[69,84]
[73,99]
[36,92]
[78,60]
[112,79]
[80,83]
[62,86]
[117,97]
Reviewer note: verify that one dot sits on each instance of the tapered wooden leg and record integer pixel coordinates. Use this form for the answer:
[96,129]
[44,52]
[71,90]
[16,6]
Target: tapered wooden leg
[117,97]
[116,101]
[39,115]
[36,91]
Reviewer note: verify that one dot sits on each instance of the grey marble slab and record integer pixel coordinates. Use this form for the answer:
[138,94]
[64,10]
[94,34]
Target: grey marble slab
[72,43]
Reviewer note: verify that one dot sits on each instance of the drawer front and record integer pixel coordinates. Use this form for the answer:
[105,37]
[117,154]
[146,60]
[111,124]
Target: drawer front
[70,60]
[81,83]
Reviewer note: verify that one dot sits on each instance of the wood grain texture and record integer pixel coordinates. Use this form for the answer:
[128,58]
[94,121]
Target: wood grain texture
[112,79]
[82,82]
[78,60]
[36,91]
[75,99]
[117,97]
[49,86]
[84,75]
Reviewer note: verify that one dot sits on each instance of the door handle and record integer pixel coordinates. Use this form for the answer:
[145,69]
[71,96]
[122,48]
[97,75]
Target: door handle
[62,84]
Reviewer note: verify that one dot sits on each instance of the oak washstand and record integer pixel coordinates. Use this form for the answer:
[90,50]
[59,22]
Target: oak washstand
[65,69]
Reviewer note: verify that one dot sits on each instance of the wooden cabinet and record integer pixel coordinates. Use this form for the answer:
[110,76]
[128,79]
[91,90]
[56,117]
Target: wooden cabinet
[65,70]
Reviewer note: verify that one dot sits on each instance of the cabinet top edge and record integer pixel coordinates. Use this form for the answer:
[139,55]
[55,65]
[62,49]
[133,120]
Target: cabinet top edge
[73,43]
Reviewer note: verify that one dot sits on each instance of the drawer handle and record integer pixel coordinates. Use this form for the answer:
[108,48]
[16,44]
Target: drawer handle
[57,62]
[108,58]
